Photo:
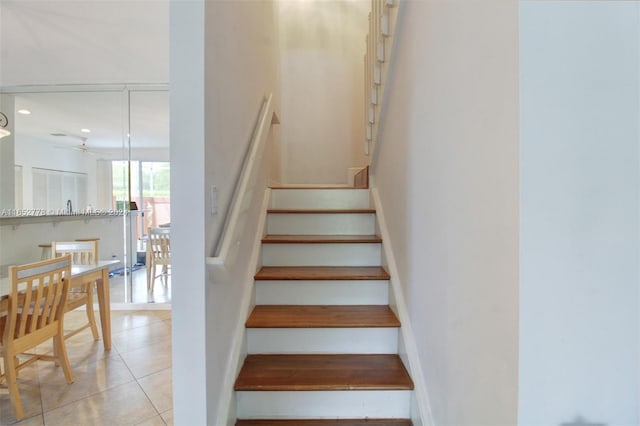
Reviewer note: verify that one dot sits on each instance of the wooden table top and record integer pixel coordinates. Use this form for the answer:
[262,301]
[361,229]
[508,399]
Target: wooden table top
[76,272]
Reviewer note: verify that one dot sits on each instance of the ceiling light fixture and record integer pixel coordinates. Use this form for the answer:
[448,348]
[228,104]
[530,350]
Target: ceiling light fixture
[4,122]
[24,112]
[85,130]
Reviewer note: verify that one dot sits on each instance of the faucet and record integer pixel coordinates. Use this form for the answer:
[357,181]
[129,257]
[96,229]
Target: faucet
[69,208]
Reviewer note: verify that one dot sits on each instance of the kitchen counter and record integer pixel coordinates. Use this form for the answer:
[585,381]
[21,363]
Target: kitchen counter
[16,217]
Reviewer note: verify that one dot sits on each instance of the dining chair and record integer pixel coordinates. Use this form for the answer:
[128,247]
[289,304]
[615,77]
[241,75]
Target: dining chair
[81,294]
[35,314]
[158,254]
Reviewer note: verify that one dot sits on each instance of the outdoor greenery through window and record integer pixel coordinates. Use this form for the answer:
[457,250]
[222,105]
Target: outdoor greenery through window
[154,176]
[119,176]
[155,179]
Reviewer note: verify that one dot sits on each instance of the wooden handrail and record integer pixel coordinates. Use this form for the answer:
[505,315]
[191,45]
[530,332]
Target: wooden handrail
[246,172]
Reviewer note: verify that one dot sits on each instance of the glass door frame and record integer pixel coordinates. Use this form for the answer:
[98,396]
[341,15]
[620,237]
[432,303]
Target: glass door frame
[125,90]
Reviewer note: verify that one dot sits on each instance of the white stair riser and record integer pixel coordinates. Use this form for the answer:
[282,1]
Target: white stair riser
[320,199]
[321,224]
[351,292]
[364,254]
[322,340]
[323,404]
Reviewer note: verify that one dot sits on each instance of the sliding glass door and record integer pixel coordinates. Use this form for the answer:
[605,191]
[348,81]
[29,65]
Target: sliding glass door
[93,162]
[150,199]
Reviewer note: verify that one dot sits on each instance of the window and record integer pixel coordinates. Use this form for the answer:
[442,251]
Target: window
[149,190]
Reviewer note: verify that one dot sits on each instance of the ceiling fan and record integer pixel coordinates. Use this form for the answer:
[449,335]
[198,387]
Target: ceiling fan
[81,147]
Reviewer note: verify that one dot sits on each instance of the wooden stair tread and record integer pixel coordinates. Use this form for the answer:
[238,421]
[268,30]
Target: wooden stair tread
[314,187]
[320,239]
[323,372]
[325,422]
[322,273]
[321,316]
[320,211]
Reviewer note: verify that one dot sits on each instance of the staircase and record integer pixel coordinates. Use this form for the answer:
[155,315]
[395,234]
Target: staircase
[322,341]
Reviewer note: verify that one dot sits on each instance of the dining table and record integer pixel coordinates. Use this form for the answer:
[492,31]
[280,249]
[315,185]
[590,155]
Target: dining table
[97,273]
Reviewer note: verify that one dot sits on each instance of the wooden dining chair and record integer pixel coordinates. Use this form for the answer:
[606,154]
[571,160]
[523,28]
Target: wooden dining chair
[158,254]
[35,314]
[81,294]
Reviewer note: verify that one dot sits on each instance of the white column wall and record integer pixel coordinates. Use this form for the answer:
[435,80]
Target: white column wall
[188,239]
[580,188]
[240,69]
[322,46]
[447,174]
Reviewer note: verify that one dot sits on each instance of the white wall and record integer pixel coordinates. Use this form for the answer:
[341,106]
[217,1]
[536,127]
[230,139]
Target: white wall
[30,153]
[187,97]
[447,174]
[241,68]
[71,42]
[219,76]
[321,75]
[580,241]
[20,244]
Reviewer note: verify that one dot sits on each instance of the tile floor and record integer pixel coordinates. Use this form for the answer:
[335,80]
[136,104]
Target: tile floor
[139,294]
[129,385]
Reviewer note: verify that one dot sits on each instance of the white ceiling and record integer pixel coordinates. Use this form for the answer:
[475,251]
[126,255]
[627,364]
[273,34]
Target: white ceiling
[83,42]
[51,43]
[104,113]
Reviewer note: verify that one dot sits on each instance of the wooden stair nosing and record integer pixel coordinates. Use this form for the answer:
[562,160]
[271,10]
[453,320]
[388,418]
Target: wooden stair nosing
[315,273]
[322,316]
[324,422]
[323,373]
[316,187]
[320,211]
[320,239]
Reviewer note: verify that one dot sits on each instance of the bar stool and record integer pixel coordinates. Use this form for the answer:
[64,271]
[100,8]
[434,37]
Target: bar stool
[46,251]
[46,247]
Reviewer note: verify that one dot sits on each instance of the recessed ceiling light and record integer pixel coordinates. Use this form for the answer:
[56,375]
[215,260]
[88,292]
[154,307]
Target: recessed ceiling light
[24,111]
[85,130]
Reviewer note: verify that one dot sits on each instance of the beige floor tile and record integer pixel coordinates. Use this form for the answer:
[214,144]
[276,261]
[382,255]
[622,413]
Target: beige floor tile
[163,314]
[31,421]
[76,318]
[90,378]
[158,387]
[161,294]
[137,338]
[149,359]
[29,389]
[105,390]
[167,416]
[123,405]
[127,320]
[153,421]
[81,348]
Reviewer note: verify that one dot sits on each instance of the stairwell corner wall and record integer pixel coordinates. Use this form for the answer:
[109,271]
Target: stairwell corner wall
[447,176]
[233,56]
